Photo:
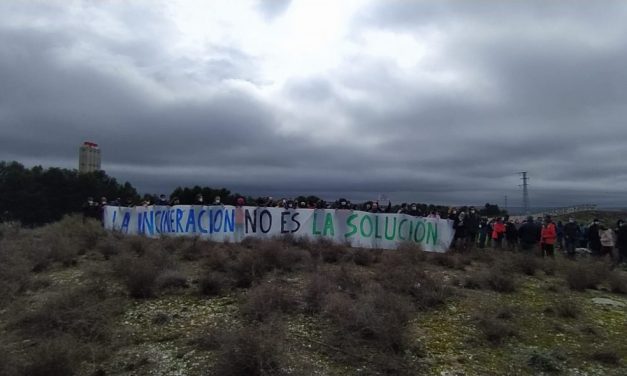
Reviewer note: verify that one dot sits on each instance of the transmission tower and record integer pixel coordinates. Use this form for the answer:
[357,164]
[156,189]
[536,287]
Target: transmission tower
[525,185]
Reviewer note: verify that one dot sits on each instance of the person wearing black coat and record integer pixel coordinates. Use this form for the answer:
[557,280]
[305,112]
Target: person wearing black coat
[594,239]
[472,227]
[621,241]
[529,234]
[572,234]
[511,235]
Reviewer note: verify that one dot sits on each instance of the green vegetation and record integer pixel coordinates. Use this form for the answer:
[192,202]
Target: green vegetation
[76,300]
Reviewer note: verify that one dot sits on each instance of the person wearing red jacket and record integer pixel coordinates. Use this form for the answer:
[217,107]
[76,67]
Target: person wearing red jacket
[498,230]
[549,236]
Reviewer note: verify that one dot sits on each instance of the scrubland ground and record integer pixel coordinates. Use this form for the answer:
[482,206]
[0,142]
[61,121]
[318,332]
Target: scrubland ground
[75,299]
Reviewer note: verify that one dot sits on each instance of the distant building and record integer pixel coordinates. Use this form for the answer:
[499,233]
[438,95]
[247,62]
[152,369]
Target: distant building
[88,157]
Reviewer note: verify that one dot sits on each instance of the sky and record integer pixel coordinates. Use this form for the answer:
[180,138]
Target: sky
[422,101]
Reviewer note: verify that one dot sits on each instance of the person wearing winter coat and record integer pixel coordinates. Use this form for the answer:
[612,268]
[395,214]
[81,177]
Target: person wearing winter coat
[459,225]
[529,234]
[621,241]
[484,232]
[606,237]
[472,226]
[549,237]
[498,232]
[511,235]
[572,234]
[594,239]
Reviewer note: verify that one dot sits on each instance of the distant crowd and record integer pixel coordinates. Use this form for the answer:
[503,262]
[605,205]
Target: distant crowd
[472,230]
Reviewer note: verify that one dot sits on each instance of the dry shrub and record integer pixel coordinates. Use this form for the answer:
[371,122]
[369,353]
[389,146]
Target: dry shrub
[108,246]
[267,299]
[78,312]
[276,254]
[606,356]
[485,255]
[376,316]
[494,325]
[364,257]
[214,284]
[544,363]
[252,350]
[582,275]
[139,269]
[565,308]
[525,263]
[347,278]
[449,260]
[406,254]
[315,292]
[171,279]
[426,291]
[498,278]
[326,250]
[15,270]
[192,249]
[617,282]
[56,357]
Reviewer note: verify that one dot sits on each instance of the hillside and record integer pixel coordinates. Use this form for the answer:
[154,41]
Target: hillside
[75,299]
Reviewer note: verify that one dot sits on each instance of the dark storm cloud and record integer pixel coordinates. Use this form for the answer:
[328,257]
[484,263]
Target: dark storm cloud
[510,86]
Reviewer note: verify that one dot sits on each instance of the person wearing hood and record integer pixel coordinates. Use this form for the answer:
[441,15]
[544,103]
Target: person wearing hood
[572,235]
[594,239]
[162,201]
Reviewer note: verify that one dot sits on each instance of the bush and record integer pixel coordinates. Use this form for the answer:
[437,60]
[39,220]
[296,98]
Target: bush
[251,350]
[376,316]
[617,282]
[171,279]
[607,356]
[448,260]
[495,330]
[526,263]
[543,363]
[52,358]
[363,257]
[77,312]
[139,273]
[214,284]
[315,292]
[565,308]
[497,279]
[585,275]
[264,301]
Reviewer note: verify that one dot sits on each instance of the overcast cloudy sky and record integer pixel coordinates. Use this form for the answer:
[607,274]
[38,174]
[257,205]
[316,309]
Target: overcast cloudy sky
[429,101]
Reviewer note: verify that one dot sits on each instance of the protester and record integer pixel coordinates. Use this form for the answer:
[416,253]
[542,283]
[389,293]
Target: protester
[239,219]
[162,201]
[529,234]
[175,201]
[217,200]
[199,200]
[560,234]
[606,237]
[511,235]
[498,232]
[572,234]
[621,242]
[594,239]
[91,209]
[549,237]
[484,232]
[459,226]
[472,227]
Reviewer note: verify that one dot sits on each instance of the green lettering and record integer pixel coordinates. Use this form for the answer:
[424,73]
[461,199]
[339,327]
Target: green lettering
[432,233]
[390,237]
[349,223]
[419,225]
[400,229]
[361,226]
[315,219]
[376,227]
[328,225]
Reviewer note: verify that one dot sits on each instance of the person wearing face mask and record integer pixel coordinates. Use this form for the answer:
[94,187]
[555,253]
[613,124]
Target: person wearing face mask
[572,235]
[594,239]
[413,210]
[199,200]
[529,235]
[621,242]
[606,236]
[498,232]
[90,209]
[459,239]
[217,201]
[162,201]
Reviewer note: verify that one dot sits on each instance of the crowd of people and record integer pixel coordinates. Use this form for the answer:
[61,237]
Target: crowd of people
[541,235]
[472,230]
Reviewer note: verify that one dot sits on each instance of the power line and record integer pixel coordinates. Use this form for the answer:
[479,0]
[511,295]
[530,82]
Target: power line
[525,186]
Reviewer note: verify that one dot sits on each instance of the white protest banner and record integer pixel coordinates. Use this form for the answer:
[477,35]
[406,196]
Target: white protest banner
[229,223]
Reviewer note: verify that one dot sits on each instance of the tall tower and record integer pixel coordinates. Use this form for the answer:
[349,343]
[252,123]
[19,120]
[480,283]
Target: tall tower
[524,178]
[88,157]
